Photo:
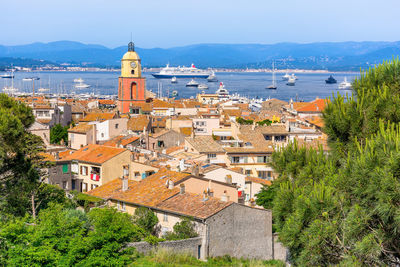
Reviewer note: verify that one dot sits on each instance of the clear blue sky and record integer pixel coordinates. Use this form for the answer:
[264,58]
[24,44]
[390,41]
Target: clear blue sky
[167,23]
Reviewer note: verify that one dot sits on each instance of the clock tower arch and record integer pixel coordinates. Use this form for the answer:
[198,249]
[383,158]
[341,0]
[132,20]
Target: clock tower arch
[131,84]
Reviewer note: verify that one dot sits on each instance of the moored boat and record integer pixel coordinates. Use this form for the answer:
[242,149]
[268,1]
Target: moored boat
[330,80]
[192,83]
[345,85]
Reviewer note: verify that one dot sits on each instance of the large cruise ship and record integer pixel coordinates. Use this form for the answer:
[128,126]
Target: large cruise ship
[182,72]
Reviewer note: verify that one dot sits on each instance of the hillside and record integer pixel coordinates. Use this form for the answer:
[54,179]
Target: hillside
[333,56]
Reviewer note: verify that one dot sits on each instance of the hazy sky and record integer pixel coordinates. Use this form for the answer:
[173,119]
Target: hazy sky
[167,23]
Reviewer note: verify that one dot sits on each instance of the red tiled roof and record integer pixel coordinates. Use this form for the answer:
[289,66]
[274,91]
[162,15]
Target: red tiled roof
[95,153]
[317,105]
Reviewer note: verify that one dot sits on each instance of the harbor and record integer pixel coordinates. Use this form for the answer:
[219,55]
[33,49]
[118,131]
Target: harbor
[247,84]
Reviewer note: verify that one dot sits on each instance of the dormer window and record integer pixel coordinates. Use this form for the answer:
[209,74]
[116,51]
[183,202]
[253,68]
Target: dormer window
[248,144]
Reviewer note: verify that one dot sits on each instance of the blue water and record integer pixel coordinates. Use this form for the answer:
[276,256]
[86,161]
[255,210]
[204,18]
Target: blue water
[308,86]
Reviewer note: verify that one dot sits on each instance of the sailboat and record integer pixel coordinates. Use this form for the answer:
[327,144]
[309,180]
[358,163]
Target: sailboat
[273,85]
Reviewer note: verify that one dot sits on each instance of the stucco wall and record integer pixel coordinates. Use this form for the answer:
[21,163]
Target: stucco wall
[241,231]
[221,173]
[198,186]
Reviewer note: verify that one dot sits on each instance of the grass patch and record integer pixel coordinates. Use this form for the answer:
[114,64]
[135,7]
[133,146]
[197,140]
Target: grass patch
[167,258]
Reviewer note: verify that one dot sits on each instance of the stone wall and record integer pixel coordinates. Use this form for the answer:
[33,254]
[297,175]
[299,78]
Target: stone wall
[190,245]
[280,252]
[241,231]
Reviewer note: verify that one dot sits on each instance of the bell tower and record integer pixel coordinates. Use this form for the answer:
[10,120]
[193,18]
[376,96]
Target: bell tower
[131,84]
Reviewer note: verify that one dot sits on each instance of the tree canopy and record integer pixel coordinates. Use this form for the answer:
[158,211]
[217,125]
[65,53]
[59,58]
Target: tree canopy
[343,207]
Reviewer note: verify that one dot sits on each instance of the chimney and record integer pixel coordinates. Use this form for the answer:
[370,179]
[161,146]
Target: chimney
[253,126]
[224,197]
[124,184]
[195,170]
[170,184]
[182,189]
[57,156]
[205,195]
[228,179]
[125,171]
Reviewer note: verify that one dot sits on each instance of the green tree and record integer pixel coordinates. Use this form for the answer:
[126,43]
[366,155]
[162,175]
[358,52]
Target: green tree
[66,237]
[146,219]
[58,133]
[20,157]
[186,228]
[343,208]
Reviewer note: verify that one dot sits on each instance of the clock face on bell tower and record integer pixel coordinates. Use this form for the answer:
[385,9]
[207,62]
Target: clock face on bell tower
[131,86]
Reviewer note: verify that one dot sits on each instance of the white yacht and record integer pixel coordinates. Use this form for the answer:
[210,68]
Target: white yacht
[174,80]
[192,83]
[286,77]
[212,78]
[291,81]
[182,72]
[345,85]
[78,80]
[222,92]
[81,85]
[202,86]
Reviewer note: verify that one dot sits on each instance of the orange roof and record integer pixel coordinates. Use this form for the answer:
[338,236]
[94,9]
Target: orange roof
[95,153]
[122,140]
[47,156]
[317,105]
[193,205]
[146,107]
[257,180]
[148,192]
[157,103]
[107,102]
[98,116]
[65,153]
[317,121]
[82,127]
[138,123]
[187,131]
[153,192]
[173,149]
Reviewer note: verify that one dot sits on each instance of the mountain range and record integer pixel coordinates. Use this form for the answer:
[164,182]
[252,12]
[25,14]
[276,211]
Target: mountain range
[324,55]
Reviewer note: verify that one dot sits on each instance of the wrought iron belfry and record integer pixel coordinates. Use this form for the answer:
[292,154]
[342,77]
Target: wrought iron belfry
[131,47]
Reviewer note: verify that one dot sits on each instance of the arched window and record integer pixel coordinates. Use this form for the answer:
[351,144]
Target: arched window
[134,91]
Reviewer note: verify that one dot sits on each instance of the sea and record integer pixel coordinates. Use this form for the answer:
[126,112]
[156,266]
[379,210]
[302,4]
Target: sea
[248,84]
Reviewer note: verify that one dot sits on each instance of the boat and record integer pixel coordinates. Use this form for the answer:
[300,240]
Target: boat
[212,78]
[330,80]
[43,90]
[78,80]
[291,81]
[81,85]
[345,85]
[192,83]
[174,93]
[182,72]
[286,77]
[174,80]
[30,79]
[273,85]
[222,92]
[202,86]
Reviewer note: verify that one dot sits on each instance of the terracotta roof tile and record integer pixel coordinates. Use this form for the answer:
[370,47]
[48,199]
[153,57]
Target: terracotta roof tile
[98,116]
[258,180]
[138,123]
[95,153]
[148,192]
[193,205]
[82,127]
[205,144]
[317,105]
[122,140]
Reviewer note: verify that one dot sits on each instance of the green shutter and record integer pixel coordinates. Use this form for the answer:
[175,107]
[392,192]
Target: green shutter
[65,168]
